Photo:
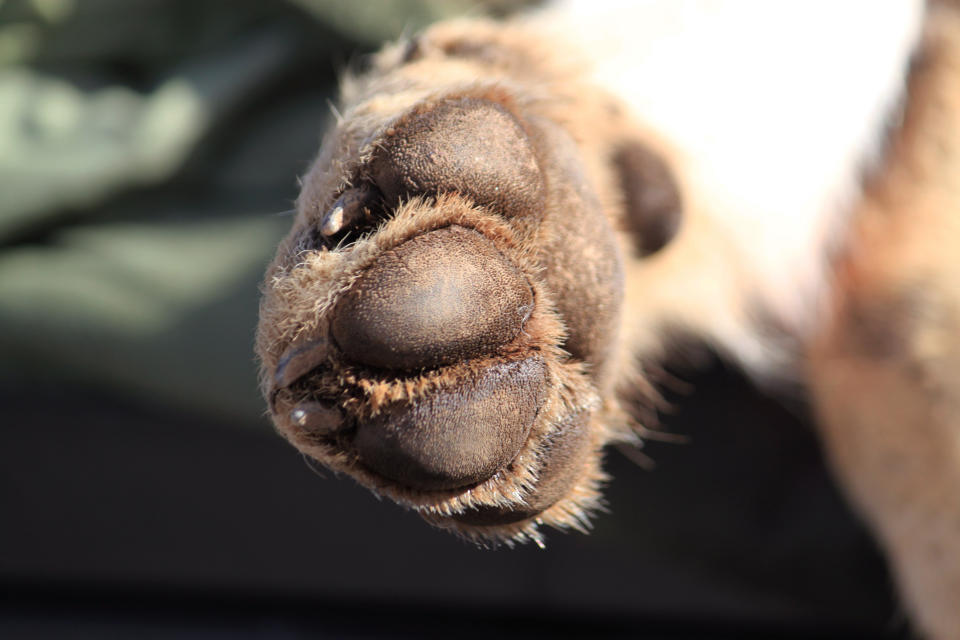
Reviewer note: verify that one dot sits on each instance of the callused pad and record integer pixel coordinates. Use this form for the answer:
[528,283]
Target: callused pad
[458,436]
[442,297]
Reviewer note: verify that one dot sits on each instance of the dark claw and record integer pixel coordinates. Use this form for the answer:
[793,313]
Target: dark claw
[317,418]
[300,360]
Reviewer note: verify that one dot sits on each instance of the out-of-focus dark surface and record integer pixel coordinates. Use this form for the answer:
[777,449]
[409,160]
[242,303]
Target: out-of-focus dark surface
[146,148]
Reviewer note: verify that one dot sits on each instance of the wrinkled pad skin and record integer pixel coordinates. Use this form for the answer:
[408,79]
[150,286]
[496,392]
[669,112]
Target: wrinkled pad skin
[470,146]
[441,297]
[562,455]
[458,436]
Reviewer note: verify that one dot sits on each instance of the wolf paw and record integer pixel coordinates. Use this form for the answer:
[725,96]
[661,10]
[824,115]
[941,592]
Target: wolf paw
[442,322]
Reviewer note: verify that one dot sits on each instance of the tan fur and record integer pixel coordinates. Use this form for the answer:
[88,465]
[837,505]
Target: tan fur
[884,368]
[885,373]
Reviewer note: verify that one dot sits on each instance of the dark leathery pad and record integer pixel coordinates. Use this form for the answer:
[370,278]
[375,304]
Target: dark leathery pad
[442,297]
[459,436]
[561,460]
[654,209]
[470,146]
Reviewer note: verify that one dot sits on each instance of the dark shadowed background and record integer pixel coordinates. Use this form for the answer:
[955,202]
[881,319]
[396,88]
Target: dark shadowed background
[148,150]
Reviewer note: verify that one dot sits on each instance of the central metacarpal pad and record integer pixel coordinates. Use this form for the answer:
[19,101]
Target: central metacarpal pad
[459,436]
[442,297]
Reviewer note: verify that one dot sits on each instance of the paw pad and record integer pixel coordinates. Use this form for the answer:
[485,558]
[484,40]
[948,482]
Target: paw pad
[459,436]
[470,146]
[444,296]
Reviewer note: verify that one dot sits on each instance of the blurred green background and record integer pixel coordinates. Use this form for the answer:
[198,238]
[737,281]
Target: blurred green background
[149,151]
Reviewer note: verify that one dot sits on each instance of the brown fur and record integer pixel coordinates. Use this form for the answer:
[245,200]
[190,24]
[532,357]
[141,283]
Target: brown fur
[551,202]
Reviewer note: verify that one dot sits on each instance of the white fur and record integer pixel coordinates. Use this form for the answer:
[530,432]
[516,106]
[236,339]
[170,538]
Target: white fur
[778,106]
